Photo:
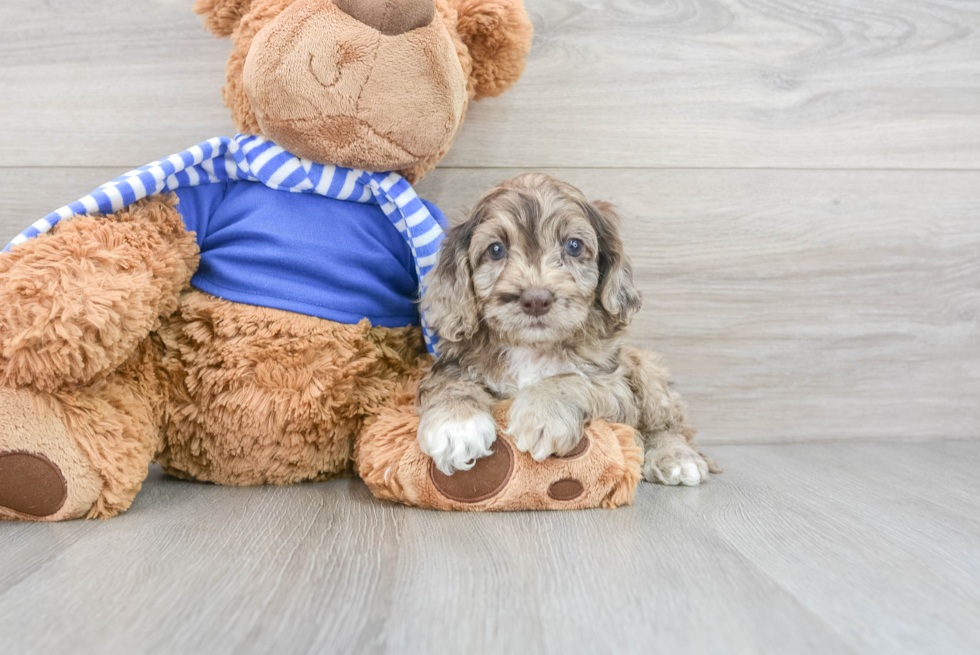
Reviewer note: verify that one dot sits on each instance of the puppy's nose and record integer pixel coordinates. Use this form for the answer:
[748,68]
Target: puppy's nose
[391,17]
[536,302]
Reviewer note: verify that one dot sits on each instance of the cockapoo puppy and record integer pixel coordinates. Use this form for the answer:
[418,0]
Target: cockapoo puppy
[531,297]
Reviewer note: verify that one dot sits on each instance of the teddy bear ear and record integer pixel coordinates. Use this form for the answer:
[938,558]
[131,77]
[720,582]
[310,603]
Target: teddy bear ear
[498,35]
[221,17]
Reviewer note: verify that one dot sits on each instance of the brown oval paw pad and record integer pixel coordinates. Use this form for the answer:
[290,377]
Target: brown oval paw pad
[565,489]
[486,479]
[31,484]
[577,451]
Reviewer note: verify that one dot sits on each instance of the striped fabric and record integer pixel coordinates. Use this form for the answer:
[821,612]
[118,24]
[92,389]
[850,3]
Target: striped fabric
[255,159]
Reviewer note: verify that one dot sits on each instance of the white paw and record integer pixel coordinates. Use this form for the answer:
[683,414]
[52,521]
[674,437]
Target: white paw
[456,445]
[678,466]
[543,430]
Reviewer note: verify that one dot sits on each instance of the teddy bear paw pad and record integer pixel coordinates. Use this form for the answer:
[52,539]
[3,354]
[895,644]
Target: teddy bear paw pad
[31,484]
[566,489]
[486,479]
[577,451]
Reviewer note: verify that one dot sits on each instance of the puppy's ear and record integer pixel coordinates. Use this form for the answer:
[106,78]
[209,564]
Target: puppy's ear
[221,17]
[617,293]
[449,303]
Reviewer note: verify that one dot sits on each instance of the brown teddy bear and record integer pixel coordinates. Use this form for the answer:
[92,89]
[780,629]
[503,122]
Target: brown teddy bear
[241,312]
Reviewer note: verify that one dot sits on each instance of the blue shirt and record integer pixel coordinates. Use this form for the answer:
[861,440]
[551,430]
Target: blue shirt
[334,259]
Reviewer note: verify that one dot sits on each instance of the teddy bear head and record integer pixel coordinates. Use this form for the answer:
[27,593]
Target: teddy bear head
[380,85]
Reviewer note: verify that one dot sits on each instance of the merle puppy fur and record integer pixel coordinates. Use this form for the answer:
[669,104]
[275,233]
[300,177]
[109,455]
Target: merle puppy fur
[531,296]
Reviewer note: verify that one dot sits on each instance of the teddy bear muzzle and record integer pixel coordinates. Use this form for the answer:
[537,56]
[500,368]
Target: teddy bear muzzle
[369,84]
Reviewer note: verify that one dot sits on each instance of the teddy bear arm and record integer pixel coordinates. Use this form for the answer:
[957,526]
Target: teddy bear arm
[77,302]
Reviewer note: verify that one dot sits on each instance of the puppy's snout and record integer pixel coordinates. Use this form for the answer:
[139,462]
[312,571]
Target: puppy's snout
[536,302]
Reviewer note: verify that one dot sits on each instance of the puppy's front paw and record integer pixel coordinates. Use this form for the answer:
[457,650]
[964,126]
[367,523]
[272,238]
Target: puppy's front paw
[454,444]
[675,466]
[544,428]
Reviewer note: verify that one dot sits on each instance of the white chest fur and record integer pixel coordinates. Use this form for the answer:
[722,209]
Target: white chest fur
[525,367]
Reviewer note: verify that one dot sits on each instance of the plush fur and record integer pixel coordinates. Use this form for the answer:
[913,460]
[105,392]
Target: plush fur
[109,359]
[498,38]
[76,303]
[329,88]
[29,424]
[394,467]
[271,397]
[532,294]
[352,93]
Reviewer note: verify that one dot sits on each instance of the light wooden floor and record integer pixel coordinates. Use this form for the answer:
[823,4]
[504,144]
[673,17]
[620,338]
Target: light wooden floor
[800,548]
[800,183]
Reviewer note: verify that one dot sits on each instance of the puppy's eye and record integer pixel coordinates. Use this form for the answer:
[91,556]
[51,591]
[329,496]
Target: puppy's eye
[573,247]
[496,251]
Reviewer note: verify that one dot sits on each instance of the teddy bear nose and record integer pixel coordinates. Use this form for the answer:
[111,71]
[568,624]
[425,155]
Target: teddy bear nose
[536,302]
[391,17]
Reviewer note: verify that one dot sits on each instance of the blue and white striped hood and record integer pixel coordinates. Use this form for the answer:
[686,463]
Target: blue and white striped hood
[256,159]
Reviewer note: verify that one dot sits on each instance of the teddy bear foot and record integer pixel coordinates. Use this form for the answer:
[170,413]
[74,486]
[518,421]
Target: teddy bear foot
[602,471]
[44,476]
[31,484]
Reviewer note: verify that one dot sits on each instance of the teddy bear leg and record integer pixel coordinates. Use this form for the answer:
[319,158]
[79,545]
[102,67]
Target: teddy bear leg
[264,396]
[80,452]
[601,471]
